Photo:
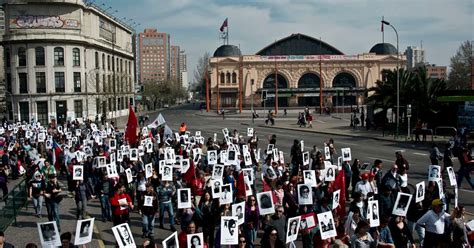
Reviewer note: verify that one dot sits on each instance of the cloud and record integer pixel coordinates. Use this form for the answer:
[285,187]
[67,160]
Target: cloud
[352,26]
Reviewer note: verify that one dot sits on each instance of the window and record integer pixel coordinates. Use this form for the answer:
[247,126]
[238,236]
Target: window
[77,82]
[97,105]
[39,55]
[76,57]
[103,61]
[42,112]
[108,62]
[234,78]
[21,56]
[103,83]
[59,81]
[96,60]
[59,56]
[9,82]
[78,108]
[40,82]
[222,79]
[97,82]
[23,81]
[24,111]
[7,57]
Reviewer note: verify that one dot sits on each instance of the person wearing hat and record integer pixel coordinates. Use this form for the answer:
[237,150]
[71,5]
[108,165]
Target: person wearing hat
[4,244]
[435,222]
[36,191]
[364,187]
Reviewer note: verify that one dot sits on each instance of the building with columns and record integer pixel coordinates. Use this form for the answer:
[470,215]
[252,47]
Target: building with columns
[65,60]
[300,64]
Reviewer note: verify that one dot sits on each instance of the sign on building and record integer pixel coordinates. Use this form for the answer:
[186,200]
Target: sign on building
[43,22]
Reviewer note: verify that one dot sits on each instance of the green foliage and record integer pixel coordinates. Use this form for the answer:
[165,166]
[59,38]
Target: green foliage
[166,92]
[459,75]
[415,89]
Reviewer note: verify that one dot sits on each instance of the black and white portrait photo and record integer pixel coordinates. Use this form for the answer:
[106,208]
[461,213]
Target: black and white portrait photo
[309,177]
[49,235]
[420,192]
[184,198]
[84,230]
[111,171]
[170,156]
[238,211]
[101,162]
[148,170]
[327,153]
[247,158]
[248,175]
[305,194]
[452,176]
[112,144]
[226,194]
[212,157]
[401,204]
[184,165]
[292,228]
[216,188]
[167,173]
[231,156]
[195,240]
[217,171]
[326,224]
[270,148]
[373,213]
[265,203]
[134,154]
[335,198]
[249,132]
[229,230]
[269,172]
[128,172]
[78,172]
[148,202]
[330,173]
[124,236]
[307,221]
[306,158]
[346,154]
[434,173]
[171,241]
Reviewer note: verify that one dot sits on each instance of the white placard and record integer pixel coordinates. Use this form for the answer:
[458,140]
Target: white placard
[346,154]
[148,170]
[78,172]
[452,176]
[49,234]
[292,229]
[305,194]
[171,241]
[226,194]
[229,231]
[195,240]
[420,192]
[124,236]
[401,204]
[373,213]
[238,211]
[309,177]
[265,203]
[326,224]
[434,173]
[336,195]
[184,198]
[84,231]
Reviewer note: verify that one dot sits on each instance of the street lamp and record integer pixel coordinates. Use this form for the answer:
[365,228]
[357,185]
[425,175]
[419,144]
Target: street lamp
[398,77]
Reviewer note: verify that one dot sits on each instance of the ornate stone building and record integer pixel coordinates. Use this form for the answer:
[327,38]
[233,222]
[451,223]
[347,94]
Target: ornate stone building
[300,63]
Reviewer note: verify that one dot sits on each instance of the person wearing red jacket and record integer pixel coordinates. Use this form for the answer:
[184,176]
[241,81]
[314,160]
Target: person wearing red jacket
[120,202]
[197,187]
[183,235]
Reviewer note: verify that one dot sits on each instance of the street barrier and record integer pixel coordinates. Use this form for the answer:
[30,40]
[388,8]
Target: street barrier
[10,207]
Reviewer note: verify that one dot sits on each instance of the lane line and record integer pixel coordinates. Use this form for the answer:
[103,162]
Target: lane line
[386,160]
[420,154]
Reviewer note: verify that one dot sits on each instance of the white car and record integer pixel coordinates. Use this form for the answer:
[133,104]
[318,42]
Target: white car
[166,106]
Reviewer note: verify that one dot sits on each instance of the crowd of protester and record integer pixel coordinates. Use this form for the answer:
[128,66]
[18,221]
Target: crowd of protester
[426,223]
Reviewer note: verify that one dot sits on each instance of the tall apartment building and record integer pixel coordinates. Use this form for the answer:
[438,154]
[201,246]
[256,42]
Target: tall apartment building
[174,61]
[415,56]
[436,72]
[183,68]
[3,102]
[154,56]
[65,60]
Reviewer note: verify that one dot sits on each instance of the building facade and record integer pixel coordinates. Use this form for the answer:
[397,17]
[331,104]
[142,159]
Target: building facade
[154,56]
[436,72]
[3,102]
[183,68]
[66,60]
[415,56]
[174,62]
[301,65]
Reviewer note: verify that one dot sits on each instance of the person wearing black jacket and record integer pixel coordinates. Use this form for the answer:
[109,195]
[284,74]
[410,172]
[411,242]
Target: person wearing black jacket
[104,189]
[148,210]
[82,193]
[53,199]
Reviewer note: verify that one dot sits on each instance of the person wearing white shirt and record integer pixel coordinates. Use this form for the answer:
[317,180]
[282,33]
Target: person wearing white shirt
[364,186]
[435,221]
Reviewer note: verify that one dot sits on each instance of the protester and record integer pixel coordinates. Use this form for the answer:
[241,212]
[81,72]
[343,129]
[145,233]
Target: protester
[435,221]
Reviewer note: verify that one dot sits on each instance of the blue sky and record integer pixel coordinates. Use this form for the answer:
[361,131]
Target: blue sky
[352,26]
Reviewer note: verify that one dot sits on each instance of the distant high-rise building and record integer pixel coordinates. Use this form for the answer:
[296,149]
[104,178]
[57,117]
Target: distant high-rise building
[436,72]
[174,62]
[415,56]
[183,67]
[154,56]
[3,103]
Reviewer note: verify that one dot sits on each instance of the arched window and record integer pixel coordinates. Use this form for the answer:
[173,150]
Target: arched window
[76,57]
[234,78]
[222,79]
[97,60]
[21,56]
[108,62]
[39,56]
[344,80]
[309,80]
[7,57]
[58,56]
[103,61]
[269,82]
[227,77]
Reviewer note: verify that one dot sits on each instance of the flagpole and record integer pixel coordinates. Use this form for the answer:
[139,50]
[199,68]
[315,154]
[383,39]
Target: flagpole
[227,35]
[320,79]
[383,38]
[276,87]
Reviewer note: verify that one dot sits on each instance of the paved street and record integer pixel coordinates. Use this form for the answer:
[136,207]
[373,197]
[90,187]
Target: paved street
[366,149]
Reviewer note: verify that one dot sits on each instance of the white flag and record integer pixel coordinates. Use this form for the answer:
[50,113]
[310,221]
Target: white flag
[157,122]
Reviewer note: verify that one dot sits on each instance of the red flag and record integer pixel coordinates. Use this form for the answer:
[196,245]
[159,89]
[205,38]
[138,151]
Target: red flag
[224,25]
[340,183]
[241,186]
[190,174]
[131,131]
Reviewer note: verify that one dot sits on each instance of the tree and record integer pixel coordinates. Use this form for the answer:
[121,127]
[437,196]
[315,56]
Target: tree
[162,92]
[199,74]
[459,76]
[152,94]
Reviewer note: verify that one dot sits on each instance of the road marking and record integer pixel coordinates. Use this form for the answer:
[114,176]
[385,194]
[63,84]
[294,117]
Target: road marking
[386,160]
[347,143]
[421,154]
[320,121]
[467,190]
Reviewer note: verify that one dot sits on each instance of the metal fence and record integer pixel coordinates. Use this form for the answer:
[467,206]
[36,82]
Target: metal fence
[10,207]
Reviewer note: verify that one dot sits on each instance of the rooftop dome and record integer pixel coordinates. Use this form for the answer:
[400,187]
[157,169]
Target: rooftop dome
[227,51]
[383,49]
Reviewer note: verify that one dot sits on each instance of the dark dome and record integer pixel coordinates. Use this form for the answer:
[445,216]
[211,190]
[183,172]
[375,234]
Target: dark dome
[383,49]
[227,51]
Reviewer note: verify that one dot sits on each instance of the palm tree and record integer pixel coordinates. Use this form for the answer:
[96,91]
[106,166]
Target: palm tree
[425,93]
